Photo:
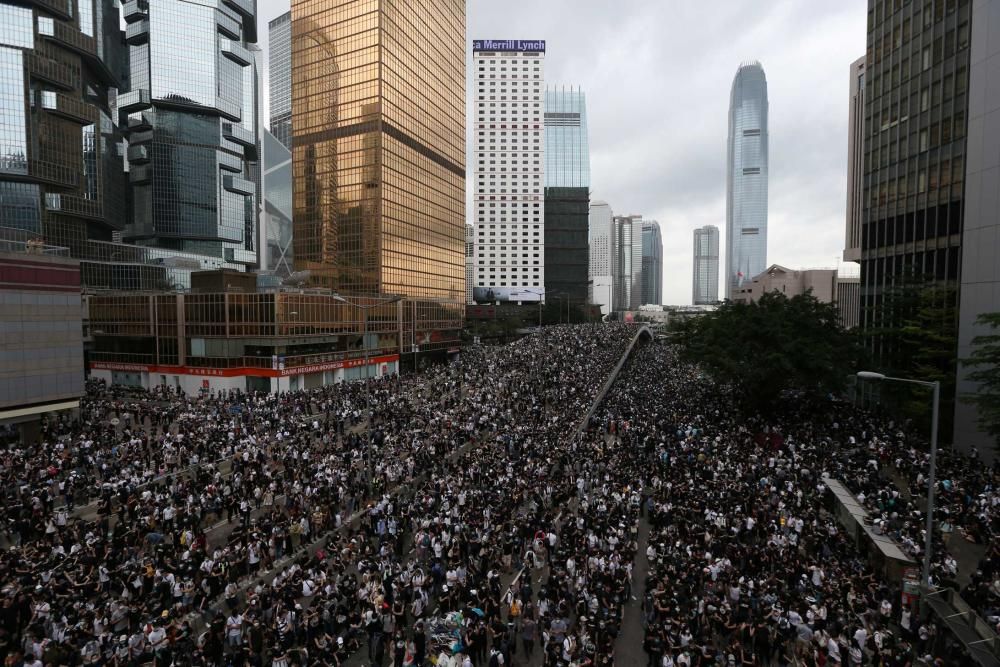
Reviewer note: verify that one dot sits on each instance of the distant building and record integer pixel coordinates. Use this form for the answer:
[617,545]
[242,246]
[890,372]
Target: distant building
[652,263]
[280,77]
[278,223]
[626,262]
[855,161]
[790,282]
[41,326]
[470,261]
[508,202]
[746,178]
[193,128]
[849,300]
[705,281]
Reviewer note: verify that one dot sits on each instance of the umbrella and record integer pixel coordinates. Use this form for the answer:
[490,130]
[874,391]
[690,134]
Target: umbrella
[478,611]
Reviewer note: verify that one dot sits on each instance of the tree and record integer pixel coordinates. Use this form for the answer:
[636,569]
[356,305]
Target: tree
[773,345]
[986,358]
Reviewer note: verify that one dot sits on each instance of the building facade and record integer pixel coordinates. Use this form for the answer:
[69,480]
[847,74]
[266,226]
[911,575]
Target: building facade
[746,177]
[280,78]
[41,335]
[509,165]
[378,151]
[790,282]
[192,120]
[979,291]
[916,103]
[277,259]
[600,238]
[855,161]
[652,263]
[849,300]
[567,149]
[470,261]
[705,281]
[626,262]
[62,174]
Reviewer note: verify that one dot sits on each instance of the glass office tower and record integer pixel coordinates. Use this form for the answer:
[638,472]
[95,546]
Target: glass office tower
[61,167]
[378,120]
[192,121]
[652,263]
[705,286]
[746,177]
[567,195]
[280,77]
[277,217]
[567,151]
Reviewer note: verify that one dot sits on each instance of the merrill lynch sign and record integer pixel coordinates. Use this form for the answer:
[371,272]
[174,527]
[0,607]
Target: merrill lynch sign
[508,45]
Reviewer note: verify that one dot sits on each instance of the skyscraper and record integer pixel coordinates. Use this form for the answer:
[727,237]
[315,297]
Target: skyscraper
[470,258]
[746,177]
[277,218]
[192,121]
[652,263]
[280,77]
[378,120]
[705,286]
[626,262]
[61,170]
[567,149]
[508,151]
[855,161]
[567,194]
[600,237]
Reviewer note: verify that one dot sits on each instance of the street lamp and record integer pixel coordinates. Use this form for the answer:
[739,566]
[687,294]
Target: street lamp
[381,301]
[936,390]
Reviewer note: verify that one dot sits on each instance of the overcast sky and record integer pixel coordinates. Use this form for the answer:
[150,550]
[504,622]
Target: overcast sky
[657,76]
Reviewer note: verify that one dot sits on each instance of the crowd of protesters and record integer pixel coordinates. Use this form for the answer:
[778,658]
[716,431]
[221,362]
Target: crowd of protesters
[421,490]
[747,564]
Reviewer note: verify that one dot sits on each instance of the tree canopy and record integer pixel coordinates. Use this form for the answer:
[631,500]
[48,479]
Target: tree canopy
[773,345]
[985,358]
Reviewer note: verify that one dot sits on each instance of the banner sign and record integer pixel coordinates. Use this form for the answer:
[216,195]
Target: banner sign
[508,45]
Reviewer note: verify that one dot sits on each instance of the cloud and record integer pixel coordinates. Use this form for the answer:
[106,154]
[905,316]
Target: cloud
[657,77]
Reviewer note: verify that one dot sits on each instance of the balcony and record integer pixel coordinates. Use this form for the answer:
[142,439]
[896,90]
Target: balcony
[138,154]
[234,51]
[239,134]
[51,71]
[138,122]
[230,162]
[133,10]
[238,185]
[140,174]
[134,100]
[137,32]
[227,25]
[68,107]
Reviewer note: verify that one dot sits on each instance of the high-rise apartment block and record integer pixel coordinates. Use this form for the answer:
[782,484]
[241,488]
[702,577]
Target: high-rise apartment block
[567,194]
[509,165]
[855,161]
[62,176]
[378,120]
[652,263]
[746,177]
[280,78]
[705,288]
[193,128]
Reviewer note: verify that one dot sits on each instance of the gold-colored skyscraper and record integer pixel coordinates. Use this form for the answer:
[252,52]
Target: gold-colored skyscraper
[378,126]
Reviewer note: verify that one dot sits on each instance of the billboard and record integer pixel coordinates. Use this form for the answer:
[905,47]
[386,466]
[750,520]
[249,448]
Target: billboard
[508,45]
[504,294]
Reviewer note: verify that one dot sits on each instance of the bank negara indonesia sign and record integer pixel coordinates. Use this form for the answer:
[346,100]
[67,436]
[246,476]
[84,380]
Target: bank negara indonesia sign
[508,45]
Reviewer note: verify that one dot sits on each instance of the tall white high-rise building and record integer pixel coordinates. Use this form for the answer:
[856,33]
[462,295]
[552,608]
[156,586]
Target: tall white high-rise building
[746,178]
[601,239]
[509,169]
[470,258]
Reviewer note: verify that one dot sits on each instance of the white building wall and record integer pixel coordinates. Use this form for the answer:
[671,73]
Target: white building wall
[509,170]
